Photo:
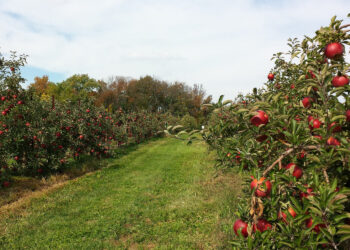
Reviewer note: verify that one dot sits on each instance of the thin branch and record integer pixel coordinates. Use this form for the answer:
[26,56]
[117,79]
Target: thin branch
[344,26]
[278,160]
[346,30]
[284,154]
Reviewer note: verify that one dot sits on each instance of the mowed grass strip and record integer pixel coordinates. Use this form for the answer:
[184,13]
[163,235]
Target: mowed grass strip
[163,195]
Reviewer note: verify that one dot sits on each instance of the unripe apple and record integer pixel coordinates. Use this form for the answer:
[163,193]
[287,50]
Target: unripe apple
[334,50]
[239,224]
[340,81]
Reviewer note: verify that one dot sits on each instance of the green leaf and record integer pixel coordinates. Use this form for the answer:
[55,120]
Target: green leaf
[226,102]
[338,117]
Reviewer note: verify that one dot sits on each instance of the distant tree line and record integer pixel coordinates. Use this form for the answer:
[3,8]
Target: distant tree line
[146,93]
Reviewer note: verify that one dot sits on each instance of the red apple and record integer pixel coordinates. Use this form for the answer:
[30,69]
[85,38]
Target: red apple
[310,74]
[283,216]
[277,86]
[262,187]
[81,137]
[333,50]
[260,118]
[334,127]
[297,172]
[333,142]
[316,228]
[6,184]
[315,123]
[261,138]
[307,194]
[347,114]
[271,76]
[262,225]
[318,137]
[340,81]
[307,102]
[292,86]
[239,224]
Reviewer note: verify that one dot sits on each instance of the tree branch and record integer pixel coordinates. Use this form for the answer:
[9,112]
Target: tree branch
[284,154]
[278,160]
[344,26]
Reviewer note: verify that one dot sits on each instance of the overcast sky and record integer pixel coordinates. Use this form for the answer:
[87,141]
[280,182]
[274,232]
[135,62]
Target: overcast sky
[224,45]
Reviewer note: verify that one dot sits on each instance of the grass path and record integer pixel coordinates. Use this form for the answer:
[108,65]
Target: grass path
[162,196]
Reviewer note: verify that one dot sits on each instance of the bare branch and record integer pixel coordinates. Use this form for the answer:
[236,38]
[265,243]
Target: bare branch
[344,26]
[278,160]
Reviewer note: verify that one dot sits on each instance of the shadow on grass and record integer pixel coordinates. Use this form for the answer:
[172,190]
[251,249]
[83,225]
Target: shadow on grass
[22,186]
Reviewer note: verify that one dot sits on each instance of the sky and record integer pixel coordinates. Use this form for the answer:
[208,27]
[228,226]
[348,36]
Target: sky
[225,45]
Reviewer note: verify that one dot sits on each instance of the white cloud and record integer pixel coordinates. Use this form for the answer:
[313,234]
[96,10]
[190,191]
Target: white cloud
[225,45]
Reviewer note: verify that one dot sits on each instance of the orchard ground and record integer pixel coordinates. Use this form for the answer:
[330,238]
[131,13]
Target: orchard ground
[162,194]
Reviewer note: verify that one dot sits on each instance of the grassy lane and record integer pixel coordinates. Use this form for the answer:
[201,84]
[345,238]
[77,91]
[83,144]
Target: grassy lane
[163,195]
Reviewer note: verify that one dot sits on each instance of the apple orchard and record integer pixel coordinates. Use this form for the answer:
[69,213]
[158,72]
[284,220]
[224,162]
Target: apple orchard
[292,139]
[40,137]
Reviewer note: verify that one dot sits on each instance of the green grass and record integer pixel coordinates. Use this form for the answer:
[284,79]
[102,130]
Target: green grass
[162,195]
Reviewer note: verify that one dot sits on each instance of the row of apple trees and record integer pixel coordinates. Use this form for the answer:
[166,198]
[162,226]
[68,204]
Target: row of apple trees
[38,137]
[292,138]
